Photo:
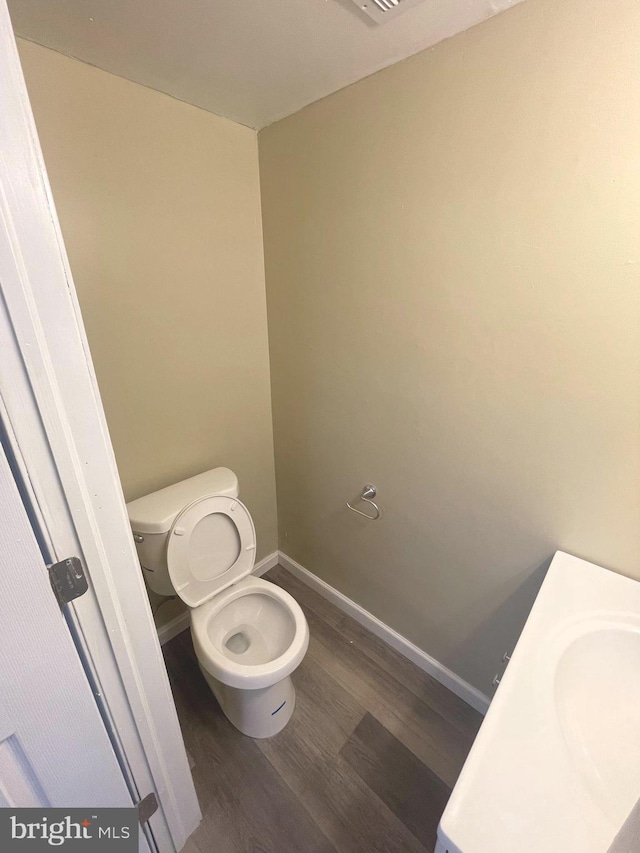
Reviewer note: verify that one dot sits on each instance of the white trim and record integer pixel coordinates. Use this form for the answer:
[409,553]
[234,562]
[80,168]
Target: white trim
[265,564]
[471,695]
[181,622]
[174,627]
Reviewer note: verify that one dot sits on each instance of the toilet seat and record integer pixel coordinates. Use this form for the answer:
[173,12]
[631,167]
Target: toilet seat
[228,668]
[211,545]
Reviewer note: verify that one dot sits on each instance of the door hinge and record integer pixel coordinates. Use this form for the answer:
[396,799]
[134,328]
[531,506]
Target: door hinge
[68,580]
[147,807]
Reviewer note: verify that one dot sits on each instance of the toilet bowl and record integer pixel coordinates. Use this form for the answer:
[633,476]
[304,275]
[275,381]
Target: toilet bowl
[196,539]
[248,641]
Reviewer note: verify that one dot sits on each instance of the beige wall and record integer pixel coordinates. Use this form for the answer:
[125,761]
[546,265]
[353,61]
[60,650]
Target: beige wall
[160,209]
[453,262]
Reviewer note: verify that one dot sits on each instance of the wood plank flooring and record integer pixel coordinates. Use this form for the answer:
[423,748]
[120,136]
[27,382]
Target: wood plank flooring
[365,765]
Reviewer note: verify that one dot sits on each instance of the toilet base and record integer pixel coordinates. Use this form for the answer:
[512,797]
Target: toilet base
[257,713]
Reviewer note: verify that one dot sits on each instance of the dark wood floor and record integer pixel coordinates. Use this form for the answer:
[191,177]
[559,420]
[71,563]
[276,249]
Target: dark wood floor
[366,763]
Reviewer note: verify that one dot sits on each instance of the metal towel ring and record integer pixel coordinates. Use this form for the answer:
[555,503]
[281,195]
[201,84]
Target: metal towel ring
[368,492]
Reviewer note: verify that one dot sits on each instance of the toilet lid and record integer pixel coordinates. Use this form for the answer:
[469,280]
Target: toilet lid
[211,545]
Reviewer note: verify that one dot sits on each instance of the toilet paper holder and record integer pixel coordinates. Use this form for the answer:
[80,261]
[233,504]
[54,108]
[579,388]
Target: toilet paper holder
[368,493]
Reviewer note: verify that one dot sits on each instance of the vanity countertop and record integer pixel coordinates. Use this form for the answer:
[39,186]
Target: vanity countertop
[556,765]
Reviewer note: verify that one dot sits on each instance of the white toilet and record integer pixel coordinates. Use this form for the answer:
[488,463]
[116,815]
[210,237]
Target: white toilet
[197,540]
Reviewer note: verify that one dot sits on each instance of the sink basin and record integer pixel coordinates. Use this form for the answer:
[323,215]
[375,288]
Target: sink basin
[556,763]
[597,697]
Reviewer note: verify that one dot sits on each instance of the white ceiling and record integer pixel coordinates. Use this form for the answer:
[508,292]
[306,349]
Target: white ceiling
[254,61]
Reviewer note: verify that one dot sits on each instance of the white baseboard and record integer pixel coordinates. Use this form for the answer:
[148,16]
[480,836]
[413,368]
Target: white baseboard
[264,565]
[171,629]
[471,695]
[181,623]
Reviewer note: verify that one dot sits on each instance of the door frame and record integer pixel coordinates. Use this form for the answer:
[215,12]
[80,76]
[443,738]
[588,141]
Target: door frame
[54,425]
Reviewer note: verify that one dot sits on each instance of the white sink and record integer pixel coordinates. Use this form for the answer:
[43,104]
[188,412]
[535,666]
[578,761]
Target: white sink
[556,764]
[597,697]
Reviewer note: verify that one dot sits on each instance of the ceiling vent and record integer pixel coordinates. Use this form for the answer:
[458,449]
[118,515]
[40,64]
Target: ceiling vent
[381,11]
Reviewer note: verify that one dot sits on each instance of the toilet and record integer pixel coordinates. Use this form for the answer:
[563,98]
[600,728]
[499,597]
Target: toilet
[195,539]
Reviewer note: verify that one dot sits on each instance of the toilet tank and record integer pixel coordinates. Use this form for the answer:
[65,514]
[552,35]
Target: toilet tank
[152,516]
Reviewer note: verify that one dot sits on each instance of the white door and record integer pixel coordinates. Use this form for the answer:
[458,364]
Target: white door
[54,748]
[58,443]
